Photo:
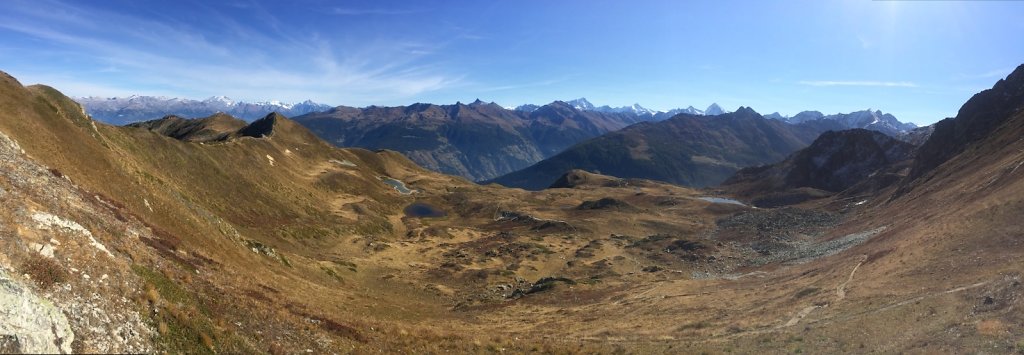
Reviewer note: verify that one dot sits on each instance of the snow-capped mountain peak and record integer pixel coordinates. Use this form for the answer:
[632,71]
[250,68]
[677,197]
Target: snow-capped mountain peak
[221,100]
[714,110]
[581,104]
[640,110]
[528,108]
[867,119]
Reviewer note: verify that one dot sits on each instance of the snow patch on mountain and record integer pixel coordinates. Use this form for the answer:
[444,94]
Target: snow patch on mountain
[581,104]
[714,110]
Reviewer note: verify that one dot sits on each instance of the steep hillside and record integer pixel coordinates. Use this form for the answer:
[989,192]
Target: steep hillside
[477,141]
[834,162]
[205,235]
[123,239]
[687,150]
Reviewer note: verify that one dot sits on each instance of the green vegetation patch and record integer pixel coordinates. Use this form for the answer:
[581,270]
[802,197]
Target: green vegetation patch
[169,290]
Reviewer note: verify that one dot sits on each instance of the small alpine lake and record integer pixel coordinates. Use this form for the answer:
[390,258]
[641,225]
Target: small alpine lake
[423,210]
[398,185]
[721,200]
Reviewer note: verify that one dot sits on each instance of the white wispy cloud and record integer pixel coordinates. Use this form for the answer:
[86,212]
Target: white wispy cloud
[244,61]
[902,84]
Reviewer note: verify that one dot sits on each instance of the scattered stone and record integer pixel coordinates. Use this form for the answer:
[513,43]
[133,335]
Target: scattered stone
[45,220]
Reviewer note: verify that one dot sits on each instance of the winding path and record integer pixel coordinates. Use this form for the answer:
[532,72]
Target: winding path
[841,289]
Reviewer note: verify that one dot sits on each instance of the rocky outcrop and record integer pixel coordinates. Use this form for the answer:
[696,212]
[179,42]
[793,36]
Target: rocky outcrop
[62,290]
[260,128]
[29,323]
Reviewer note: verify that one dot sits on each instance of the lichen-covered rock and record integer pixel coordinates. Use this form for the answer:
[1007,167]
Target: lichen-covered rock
[29,323]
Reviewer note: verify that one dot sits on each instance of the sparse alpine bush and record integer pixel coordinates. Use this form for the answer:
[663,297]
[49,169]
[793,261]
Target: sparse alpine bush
[44,271]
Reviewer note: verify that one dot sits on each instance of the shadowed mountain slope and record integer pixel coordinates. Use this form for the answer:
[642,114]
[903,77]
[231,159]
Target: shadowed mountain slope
[834,162]
[688,150]
[976,120]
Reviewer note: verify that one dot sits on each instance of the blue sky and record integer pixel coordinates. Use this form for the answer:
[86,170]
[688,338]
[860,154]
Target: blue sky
[919,60]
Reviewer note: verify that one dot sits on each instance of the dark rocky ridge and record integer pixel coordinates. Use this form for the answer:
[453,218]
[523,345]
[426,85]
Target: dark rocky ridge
[263,127]
[217,128]
[975,121]
[214,128]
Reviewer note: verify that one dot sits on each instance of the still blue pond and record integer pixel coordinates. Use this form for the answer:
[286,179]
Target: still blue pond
[423,210]
[398,185]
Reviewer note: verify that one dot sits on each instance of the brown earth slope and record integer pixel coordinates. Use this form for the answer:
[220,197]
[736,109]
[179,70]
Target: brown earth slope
[274,241]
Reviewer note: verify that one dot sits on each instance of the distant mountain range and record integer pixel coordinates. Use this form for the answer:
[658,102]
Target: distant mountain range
[123,110]
[478,140]
[687,149]
[866,119]
[874,120]
[583,104]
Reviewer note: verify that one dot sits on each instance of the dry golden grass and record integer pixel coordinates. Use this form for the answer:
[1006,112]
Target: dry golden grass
[434,285]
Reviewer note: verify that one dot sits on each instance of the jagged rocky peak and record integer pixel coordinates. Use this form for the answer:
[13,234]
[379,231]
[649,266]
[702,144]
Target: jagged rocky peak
[746,111]
[217,127]
[263,127]
[581,104]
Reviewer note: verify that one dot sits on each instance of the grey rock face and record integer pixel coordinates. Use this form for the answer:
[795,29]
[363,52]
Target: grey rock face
[29,323]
